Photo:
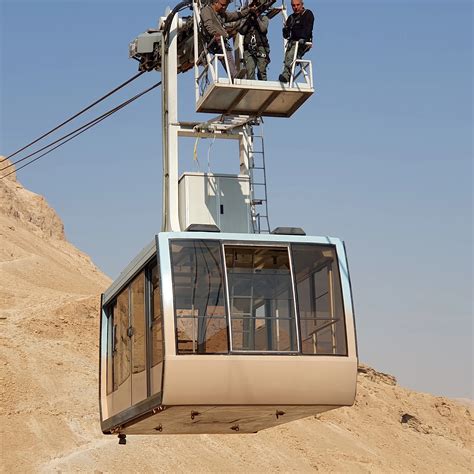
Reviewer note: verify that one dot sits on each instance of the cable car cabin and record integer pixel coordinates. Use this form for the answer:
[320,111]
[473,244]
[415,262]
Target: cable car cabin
[225,333]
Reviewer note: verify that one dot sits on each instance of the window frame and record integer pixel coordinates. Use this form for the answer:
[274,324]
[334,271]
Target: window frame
[292,280]
[151,323]
[111,348]
[343,308]
[296,308]
[224,285]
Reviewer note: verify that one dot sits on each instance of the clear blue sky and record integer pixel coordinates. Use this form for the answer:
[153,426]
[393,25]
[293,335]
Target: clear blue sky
[381,156]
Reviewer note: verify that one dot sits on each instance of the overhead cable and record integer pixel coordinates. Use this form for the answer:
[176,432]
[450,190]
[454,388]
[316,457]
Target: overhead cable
[74,116]
[77,131]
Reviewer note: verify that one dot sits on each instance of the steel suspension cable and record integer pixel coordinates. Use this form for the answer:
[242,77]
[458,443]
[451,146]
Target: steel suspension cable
[71,133]
[128,81]
[77,131]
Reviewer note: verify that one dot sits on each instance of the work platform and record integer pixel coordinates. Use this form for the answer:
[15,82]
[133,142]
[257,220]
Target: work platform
[255,98]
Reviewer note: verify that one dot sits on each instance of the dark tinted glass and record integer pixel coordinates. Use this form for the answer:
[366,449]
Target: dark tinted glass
[137,314]
[156,318]
[198,280]
[122,347]
[321,311]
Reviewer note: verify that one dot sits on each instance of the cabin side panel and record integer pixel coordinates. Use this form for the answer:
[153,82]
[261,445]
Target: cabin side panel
[132,349]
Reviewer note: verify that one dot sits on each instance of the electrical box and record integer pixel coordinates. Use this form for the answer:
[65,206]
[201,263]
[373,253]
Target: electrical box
[220,199]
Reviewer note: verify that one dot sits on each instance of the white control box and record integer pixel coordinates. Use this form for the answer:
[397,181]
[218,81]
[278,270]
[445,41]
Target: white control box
[220,199]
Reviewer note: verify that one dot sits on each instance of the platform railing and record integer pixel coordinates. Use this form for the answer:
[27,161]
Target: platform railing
[305,68]
[209,62]
[221,57]
[211,67]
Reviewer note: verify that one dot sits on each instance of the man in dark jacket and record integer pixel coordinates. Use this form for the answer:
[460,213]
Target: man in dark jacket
[213,17]
[256,46]
[298,30]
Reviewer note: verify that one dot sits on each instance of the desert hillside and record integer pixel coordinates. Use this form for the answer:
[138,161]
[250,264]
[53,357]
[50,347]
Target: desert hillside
[49,299]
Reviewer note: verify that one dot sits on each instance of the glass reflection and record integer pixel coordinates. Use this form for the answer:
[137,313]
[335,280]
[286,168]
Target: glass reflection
[321,311]
[198,281]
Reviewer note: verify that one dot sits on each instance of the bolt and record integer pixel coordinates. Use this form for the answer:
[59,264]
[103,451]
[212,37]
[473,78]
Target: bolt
[279,413]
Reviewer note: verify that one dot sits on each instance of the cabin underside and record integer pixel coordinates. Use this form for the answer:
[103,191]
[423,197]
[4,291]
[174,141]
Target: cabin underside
[216,419]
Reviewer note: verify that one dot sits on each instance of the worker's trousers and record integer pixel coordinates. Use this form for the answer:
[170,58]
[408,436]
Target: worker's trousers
[256,59]
[290,56]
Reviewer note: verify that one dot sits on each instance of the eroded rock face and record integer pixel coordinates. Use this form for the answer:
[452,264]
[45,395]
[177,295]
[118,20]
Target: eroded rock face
[375,376]
[26,207]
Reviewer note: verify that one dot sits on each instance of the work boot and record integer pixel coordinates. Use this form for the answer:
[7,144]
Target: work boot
[282,78]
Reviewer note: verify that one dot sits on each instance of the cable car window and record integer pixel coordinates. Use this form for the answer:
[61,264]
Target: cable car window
[321,311]
[110,345]
[121,353]
[156,319]
[137,322]
[198,282]
[261,299]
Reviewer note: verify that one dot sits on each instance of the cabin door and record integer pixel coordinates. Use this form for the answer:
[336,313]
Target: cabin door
[138,339]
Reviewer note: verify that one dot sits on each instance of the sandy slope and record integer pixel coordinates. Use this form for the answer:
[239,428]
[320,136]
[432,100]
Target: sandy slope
[49,297]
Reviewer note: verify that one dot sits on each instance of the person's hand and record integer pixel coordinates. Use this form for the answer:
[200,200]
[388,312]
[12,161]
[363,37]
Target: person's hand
[302,42]
[217,39]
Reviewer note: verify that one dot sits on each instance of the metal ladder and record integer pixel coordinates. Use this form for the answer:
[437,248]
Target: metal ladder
[258,184]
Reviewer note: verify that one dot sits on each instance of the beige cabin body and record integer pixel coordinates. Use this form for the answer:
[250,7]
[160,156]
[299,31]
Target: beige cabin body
[221,333]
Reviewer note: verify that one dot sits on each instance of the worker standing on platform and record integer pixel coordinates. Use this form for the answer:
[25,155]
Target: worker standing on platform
[256,46]
[298,30]
[213,17]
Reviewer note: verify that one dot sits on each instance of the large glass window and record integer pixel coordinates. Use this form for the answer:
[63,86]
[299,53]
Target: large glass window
[198,282]
[129,333]
[250,303]
[320,305]
[121,353]
[156,319]
[261,299]
[137,316]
